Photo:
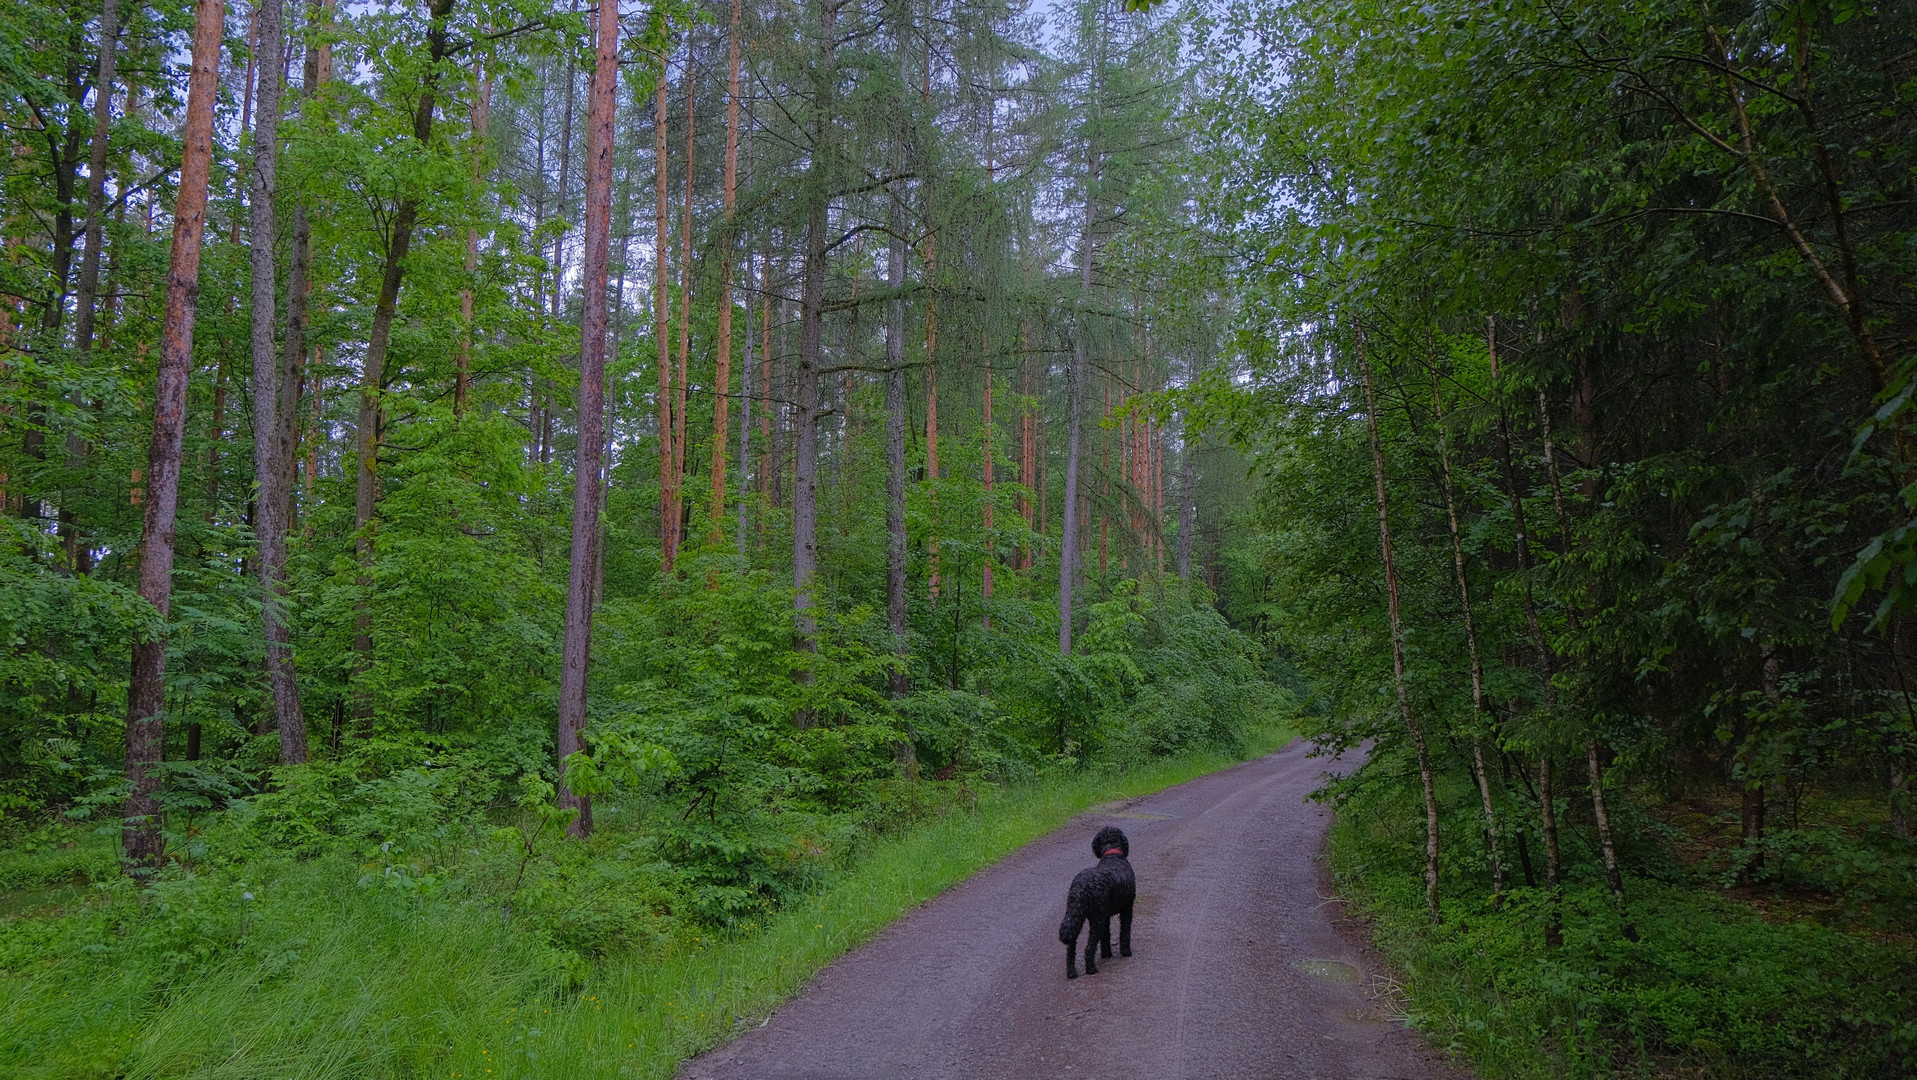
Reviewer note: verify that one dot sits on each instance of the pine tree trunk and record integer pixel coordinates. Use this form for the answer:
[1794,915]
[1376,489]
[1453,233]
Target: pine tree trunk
[768,458]
[683,381]
[1187,504]
[662,331]
[895,540]
[722,375]
[577,650]
[299,286]
[987,451]
[932,415]
[1425,773]
[140,837]
[1068,544]
[1027,448]
[805,498]
[273,397]
[745,415]
[96,176]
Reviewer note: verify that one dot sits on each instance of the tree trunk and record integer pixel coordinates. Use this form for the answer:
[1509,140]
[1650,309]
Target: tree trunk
[373,371]
[745,415]
[722,374]
[1547,660]
[1553,860]
[895,541]
[1479,716]
[273,398]
[986,451]
[1602,817]
[299,286]
[1027,449]
[768,459]
[1397,642]
[96,176]
[685,328]
[146,691]
[577,649]
[1187,503]
[662,333]
[805,497]
[931,414]
[1068,544]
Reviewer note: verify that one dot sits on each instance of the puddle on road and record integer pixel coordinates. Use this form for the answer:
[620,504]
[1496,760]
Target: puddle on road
[1329,970]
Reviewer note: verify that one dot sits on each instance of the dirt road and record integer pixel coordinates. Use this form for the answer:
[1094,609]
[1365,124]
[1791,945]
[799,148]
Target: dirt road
[1241,967]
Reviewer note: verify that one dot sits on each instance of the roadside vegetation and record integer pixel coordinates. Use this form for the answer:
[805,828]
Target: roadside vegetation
[411,934]
[1576,379]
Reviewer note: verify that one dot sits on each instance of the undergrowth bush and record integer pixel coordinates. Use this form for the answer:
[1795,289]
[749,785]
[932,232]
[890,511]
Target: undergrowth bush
[1712,987]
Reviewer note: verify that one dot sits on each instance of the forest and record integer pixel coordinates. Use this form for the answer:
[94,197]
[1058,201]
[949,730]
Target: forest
[516,513]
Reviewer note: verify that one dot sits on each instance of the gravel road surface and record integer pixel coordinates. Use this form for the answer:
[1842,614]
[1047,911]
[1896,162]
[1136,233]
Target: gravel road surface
[1242,967]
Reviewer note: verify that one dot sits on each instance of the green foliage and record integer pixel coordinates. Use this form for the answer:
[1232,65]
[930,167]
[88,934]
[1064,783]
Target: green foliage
[1710,985]
[508,948]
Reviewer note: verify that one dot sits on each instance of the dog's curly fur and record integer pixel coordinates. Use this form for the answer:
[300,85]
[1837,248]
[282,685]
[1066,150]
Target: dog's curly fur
[1097,894]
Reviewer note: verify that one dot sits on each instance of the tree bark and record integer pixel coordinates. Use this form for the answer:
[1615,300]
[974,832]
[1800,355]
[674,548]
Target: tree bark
[1478,714]
[1393,609]
[662,333]
[1600,814]
[931,413]
[895,540]
[141,841]
[273,400]
[1547,660]
[745,415]
[685,327]
[1187,503]
[805,498]
[577,649]
[986,452]
[1068,544]
[722,374]
[767,457]
[96,176]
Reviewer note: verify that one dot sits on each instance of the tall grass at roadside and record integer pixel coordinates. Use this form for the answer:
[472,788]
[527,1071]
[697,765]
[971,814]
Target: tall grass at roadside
[338,979]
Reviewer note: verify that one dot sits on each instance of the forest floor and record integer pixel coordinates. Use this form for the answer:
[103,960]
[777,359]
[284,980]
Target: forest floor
[1243,965]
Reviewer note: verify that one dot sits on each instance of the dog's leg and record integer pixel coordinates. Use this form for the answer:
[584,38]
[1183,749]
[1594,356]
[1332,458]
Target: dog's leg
[1071,960]
[1091,953]
[1105,937]
[1125,931]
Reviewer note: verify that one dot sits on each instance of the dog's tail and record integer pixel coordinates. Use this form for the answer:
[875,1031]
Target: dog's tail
[1074,915]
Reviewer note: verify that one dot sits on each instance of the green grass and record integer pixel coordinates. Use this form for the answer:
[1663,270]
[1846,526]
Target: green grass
[317,975]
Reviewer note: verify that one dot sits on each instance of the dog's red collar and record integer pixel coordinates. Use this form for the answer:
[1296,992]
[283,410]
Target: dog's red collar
[1115,851]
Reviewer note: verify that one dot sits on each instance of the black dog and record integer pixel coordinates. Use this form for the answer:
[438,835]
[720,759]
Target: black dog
[1096,895]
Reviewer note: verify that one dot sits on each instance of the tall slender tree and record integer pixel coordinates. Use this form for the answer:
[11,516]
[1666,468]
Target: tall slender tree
[597,230]
[274,398]
[140,836]
[1394,613]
